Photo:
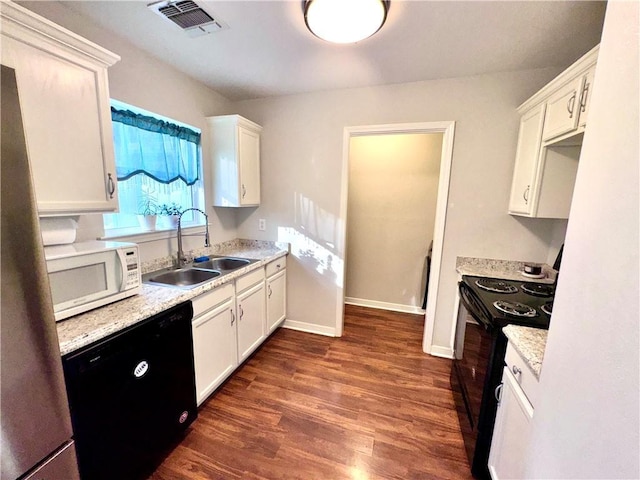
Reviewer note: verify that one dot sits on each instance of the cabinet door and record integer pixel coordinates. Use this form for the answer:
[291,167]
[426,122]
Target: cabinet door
[251,320]
[276,300]
[527,157]
[563,110]
[512,431]
[585,96]
[249,158]
[65,109]
[214,348]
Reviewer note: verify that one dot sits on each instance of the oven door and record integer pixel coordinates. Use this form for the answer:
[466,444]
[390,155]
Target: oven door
[475,337]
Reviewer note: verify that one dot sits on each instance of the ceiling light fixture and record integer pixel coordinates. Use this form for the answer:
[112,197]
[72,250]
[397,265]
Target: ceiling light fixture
[345,21]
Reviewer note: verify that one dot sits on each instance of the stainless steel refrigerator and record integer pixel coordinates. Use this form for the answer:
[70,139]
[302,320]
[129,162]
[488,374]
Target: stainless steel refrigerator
[36,426]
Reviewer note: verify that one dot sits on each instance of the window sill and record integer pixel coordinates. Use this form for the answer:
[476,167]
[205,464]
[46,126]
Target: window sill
[137,236]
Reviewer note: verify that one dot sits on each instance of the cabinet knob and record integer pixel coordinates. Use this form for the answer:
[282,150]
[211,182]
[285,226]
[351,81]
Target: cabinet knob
[111,185]
[516,370]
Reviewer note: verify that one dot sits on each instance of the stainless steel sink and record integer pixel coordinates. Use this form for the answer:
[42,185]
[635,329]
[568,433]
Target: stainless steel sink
[222,263]
[185,277]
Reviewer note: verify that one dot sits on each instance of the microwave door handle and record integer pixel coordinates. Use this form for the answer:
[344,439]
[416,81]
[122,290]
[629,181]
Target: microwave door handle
[123,266]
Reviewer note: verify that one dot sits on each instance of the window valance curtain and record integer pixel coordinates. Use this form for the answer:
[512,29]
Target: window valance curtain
[161,150]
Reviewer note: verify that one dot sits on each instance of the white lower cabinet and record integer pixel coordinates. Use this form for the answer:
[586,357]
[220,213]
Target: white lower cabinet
[276,294]
[250,303]
[214,339]
[231,321]
[512,430]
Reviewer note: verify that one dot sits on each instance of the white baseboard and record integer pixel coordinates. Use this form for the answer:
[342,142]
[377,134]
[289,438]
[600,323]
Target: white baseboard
[438,351]
[309,328]
[394,307]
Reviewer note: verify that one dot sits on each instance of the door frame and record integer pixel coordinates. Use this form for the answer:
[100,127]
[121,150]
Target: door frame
[447,128]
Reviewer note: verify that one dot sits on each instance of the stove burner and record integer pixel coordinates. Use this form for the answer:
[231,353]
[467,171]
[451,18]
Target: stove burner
[497,286]
[547,307]
[515,309]
[538,289]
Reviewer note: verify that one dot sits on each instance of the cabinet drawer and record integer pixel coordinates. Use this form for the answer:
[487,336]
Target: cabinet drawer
[207,301]
[249,280]
[522,373]
[276,266]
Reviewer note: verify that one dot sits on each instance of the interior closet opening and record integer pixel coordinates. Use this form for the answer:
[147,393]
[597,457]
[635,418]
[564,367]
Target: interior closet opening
[435,133]
[391,210]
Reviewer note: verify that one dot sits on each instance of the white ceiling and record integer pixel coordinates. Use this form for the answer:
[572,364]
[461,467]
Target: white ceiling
[268,51]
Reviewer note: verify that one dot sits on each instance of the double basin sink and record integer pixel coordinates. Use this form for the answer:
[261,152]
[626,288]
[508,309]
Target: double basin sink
[196,273]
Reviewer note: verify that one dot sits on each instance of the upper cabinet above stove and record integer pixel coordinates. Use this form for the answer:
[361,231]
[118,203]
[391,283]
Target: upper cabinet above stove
[64,98]
[551,128]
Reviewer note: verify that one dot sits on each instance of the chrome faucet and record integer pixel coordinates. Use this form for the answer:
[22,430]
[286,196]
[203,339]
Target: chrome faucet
[181,258]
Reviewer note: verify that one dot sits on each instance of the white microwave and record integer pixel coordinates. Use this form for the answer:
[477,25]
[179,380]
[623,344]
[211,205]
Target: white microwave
[87,275]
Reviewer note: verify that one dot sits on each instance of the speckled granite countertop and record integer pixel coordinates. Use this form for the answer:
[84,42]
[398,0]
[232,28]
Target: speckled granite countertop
[84,329]
[529,343]
[503,269]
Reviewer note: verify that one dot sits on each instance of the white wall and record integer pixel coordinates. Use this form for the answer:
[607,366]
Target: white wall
[144,81]
[586,424]
[302,146]
[393,188]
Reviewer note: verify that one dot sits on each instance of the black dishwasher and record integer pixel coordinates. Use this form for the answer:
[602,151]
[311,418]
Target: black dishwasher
[132,395]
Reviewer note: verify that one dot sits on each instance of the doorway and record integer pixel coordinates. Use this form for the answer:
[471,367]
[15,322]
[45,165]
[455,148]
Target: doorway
[393,188]
[445,132]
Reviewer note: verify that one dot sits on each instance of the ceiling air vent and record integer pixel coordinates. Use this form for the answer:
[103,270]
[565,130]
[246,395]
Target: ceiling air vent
[189,16]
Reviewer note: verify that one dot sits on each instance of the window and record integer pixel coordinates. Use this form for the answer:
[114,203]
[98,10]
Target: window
[158,161]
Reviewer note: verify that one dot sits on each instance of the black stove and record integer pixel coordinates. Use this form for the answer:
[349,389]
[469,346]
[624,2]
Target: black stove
[486,306]
[501,302]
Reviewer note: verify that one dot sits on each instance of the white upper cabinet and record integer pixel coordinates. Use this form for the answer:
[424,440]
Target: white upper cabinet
[549,143]
[524,174]
[64,97]
[235,154]
[567,108]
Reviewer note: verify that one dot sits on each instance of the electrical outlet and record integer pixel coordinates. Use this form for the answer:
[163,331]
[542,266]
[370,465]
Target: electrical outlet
[262,224]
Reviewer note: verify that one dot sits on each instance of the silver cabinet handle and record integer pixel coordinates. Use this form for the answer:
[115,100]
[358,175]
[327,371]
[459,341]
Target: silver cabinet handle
[571,103]
[111,185]
[241,312]
[270,292]
[516,370]
[525,194]
[583,97]
[498,393]
[244,190]
[233,317]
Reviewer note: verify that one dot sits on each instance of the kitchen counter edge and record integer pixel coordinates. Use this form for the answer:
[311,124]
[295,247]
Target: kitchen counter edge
[529,343]
[81,330]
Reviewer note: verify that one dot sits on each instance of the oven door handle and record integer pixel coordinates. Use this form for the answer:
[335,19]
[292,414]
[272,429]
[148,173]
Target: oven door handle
[474,308]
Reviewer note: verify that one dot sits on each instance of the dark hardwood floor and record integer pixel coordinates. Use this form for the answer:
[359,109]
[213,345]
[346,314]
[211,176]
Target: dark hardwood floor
[368,405]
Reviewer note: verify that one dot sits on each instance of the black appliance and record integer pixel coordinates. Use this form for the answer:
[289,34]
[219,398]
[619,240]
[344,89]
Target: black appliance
[132,396]
[487,305]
